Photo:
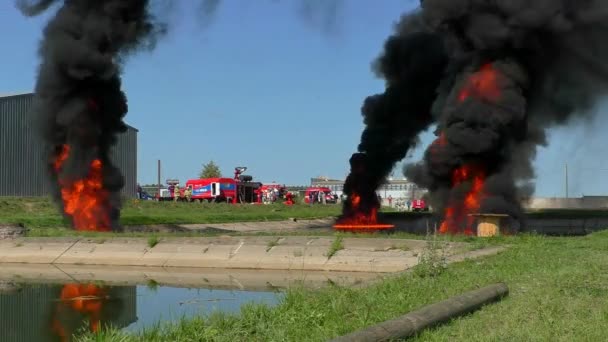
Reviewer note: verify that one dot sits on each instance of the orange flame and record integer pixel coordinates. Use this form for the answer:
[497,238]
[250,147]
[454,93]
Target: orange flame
[85,200]
[360,220]
[85,299]
[457,217]
[483,85]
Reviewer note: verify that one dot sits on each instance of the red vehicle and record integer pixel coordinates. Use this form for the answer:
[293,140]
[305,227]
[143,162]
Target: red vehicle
[239,189]
[314,191]
[213,189]
[419,205]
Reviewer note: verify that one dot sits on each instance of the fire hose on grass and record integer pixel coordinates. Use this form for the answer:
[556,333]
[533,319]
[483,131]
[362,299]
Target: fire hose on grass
[428,316]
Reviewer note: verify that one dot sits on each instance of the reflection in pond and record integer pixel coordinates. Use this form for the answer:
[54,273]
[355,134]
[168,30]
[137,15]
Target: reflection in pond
[75,302]
[53,312]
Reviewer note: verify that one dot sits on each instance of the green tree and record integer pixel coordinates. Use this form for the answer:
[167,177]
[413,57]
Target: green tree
[210,170]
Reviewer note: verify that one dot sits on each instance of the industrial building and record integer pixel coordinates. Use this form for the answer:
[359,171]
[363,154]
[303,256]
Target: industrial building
[22,163]
[397,189]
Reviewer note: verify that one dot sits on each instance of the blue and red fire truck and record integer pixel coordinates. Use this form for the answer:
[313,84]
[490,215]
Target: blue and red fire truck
[239,189]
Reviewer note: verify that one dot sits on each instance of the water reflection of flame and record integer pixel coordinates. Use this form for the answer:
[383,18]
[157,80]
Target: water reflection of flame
[80,299]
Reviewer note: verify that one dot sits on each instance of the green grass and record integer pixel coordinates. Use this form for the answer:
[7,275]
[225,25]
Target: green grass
[42,213]
[35,213]
[557,287]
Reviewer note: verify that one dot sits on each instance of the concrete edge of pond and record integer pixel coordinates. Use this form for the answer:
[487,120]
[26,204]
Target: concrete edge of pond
[208,278]
[295,253]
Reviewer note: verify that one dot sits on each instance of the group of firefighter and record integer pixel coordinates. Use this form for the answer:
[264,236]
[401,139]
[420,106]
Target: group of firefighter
[187,193]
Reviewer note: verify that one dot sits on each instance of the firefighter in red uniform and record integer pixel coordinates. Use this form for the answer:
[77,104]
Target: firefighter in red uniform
[289,198]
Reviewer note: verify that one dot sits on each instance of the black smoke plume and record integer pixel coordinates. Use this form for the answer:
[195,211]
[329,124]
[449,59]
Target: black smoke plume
[515,69]
[78,97]
[319,14]
[412,66]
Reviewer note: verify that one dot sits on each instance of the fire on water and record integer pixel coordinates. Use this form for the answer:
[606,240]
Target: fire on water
[360,221]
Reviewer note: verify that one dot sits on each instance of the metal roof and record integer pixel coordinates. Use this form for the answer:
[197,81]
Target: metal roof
[30,93]
[15,94]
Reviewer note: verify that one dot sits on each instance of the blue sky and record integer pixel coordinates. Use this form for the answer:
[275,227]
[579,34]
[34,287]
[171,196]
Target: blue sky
[262,88]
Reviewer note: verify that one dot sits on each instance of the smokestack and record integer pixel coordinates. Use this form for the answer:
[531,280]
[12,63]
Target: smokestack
[514,69]
[79,104]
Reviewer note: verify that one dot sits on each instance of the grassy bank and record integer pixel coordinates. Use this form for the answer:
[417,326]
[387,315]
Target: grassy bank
[41,212]
[557,293]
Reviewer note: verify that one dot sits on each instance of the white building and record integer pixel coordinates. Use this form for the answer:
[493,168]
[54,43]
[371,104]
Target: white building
[400,190]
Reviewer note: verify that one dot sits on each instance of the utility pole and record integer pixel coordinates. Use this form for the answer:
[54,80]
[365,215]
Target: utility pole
[159,178]
[566,180]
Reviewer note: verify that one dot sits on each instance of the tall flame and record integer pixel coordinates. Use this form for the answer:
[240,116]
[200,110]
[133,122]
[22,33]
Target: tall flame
[457,218]
[84,200]
[86,299]
[481,85]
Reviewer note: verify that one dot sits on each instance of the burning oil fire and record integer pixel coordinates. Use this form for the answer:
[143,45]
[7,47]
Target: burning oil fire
[84,299]
[360,209]
[483,86]
[457,217]
[359,220]
[495,77]
[85,200]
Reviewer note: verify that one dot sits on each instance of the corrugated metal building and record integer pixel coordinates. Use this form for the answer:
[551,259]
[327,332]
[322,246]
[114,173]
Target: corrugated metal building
[22,164]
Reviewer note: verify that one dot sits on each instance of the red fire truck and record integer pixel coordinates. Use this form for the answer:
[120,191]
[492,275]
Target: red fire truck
[239,189]
[212,189]
[419,205]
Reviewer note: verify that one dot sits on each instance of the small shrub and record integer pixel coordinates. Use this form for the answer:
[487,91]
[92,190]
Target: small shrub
[271,244]
[153,241]
[432,260]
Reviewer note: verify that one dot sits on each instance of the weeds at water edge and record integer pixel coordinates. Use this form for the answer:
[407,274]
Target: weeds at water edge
[336,246]
[153,241]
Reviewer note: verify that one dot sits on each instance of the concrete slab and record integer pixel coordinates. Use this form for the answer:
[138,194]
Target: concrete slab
[251,280]
[297,253]
[110,252]
[23,251]
[266,226]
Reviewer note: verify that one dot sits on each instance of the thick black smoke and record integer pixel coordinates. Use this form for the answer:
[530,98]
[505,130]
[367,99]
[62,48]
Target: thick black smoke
[319,14]
[412,66]
[78,96]
[515,69]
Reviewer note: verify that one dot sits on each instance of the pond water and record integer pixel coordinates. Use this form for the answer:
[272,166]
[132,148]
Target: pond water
[52,312]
